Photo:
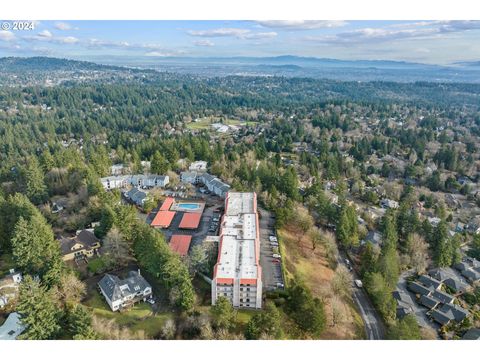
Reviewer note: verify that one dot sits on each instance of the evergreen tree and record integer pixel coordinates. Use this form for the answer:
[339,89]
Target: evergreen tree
[38,311]
[36,189]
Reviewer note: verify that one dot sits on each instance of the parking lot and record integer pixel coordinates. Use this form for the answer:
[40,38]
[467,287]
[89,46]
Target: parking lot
[272,276]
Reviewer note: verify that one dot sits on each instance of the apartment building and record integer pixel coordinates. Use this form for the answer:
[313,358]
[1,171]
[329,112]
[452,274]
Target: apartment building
[237,274]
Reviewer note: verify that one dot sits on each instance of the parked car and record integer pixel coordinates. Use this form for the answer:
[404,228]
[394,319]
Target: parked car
[280,285]
[277,256]
[151,301]
[358,283]
[276,261]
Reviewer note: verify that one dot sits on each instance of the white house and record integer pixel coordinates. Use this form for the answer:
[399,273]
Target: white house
[198,166]
[121,181]
[12,327]
[121,294]
[189,177]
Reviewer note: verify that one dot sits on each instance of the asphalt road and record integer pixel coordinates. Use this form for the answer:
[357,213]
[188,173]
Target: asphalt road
[374,326]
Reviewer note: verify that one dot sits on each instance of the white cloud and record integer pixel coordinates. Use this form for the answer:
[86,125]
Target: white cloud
[159,54]
[261,35]
[6,35]
[204,42]
[64,26]
[220,32]
[302,24]
[419,30]
[66,40]
[45,34]
[232,32]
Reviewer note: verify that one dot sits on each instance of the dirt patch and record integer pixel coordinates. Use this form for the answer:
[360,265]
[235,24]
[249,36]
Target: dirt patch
[311,267]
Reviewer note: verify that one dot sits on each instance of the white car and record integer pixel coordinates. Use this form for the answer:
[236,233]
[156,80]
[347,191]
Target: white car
[151,301]
[280,285]
[273,238]
[276,256]
[358,283]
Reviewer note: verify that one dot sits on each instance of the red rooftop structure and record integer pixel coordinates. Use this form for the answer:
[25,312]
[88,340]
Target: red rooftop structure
[190,221]
[180,244]
[167,204]
[163,219]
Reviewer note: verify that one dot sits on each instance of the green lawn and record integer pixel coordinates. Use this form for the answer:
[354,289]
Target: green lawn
[140,317]
[204,123]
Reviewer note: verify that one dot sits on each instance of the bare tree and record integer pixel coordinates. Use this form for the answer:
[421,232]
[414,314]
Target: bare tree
[417,249]
[342,282]
[70,289]
[117,247]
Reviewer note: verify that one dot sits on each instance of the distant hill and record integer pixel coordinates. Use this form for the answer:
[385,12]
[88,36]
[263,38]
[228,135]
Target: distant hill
[49,64]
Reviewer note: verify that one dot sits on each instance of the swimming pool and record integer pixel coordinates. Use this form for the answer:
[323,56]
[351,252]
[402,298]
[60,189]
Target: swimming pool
[188,206]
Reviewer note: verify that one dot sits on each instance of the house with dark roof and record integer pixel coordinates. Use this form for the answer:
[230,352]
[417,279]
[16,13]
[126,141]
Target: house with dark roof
[457,285]
[429,302]
[419,289]
[459,313]
[471,275]
[137,196]
[84,245]
[430,282]
[404,304]
[121,294]
[442,318]
[443,297]
[472,334]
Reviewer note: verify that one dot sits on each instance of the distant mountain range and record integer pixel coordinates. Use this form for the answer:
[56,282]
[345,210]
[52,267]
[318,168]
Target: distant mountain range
[287,65]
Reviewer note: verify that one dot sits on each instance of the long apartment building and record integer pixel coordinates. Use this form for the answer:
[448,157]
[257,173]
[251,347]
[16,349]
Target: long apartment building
[237,274]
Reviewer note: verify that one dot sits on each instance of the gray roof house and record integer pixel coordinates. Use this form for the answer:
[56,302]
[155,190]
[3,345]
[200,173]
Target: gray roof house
[137,196]
[458,312]
[430,282]
[442,318]
[472,334]
[121,294]
[12,327]
[457,285]
[429,302]
[471,275]
[419,289]
[443,297]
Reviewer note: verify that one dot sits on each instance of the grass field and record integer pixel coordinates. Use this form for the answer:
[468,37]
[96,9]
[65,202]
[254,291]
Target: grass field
[312,268]
[206,122]
[140,317]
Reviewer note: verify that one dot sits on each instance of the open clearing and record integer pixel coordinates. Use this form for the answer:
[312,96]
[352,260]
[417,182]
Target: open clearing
[311,267]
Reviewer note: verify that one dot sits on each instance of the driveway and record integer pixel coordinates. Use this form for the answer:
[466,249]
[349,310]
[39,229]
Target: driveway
[271,272]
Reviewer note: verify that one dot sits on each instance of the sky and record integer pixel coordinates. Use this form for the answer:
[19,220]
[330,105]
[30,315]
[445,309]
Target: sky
[433,42]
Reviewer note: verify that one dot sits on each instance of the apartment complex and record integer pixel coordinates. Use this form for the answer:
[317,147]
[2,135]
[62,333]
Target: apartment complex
[237,274]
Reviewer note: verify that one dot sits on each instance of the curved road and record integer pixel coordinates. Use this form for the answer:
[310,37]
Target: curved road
[374,326]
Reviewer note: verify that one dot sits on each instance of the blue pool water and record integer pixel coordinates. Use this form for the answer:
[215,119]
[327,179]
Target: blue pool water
[186,206]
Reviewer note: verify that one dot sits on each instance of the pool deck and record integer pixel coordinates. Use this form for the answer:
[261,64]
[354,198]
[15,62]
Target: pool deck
[177,206]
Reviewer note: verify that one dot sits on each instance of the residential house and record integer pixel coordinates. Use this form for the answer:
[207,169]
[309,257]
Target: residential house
[419,289]
[214,184]
[9,286]
[136,196]
[189,177]
[117,169]
[121,294]
[443,297]
[200,166]
[472,334]
[429,302]
[12,327]
[139,180]
[84,245]
[430,282]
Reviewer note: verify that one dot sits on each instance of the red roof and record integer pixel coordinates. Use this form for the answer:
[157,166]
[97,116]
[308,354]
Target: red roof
[190,221]
[163,219]
[180,243]
[166,204]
